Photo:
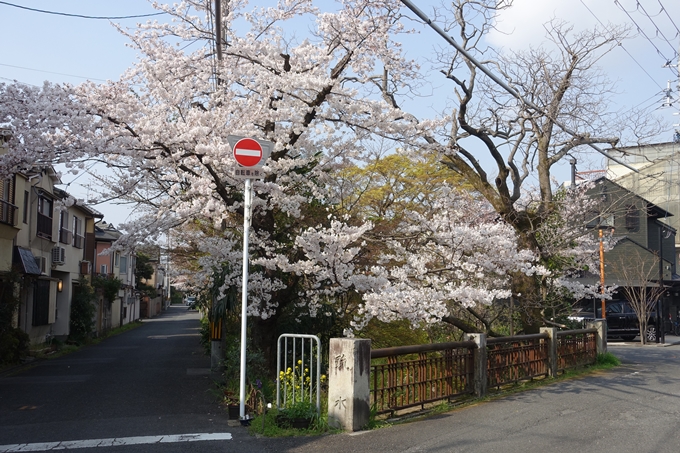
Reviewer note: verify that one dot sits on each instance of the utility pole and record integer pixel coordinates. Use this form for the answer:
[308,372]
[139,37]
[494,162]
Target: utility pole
[218,29]
[216,331]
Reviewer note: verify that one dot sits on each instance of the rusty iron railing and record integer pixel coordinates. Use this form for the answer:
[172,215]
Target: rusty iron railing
[411,376]
[512,359]
[576,348]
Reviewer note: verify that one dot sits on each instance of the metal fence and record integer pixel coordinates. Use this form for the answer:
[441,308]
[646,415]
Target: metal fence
[576,348]
[512,359]
[411,376]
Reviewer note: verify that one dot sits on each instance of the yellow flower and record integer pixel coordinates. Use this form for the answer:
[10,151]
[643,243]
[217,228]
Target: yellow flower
[323,377]
[299,362]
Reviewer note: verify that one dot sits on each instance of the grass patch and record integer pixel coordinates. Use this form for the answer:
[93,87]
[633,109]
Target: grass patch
[607,360]
[265,425]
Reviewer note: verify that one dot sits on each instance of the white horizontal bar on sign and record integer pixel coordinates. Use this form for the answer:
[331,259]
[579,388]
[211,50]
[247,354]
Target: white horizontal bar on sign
[247,152]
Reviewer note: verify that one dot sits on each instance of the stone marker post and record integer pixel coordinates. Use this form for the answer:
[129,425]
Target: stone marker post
[349,377]
[601,326]
[480,363]
[552,349]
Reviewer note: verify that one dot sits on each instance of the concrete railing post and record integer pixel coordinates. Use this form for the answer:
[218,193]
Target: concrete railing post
[552,349]
[601,326]
[480,362]
[349,377]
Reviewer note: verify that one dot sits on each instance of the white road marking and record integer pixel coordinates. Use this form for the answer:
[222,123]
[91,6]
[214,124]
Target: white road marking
[93,443]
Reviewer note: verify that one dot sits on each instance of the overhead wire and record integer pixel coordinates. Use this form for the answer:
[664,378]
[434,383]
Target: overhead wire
[658,30]
[624,48]
[669,16]
[503,84]
[51,72]
[82,16]
[18,81]
[667,60]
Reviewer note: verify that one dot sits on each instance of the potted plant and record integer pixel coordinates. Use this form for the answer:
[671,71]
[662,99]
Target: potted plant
[231,400]
[298,415]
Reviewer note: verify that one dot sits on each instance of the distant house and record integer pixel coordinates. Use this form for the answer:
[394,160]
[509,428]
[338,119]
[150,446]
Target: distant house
[656,177]
[643,233]
[44,240]
[119,265]
[50,243]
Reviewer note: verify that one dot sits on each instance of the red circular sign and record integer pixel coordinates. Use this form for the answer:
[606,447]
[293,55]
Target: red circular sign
[247,152]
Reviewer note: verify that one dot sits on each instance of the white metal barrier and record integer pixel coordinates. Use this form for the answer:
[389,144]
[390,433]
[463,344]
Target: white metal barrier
[295,380]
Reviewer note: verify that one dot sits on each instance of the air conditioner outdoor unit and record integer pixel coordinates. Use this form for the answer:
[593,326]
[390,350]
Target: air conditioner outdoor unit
[85,267]
[58,255]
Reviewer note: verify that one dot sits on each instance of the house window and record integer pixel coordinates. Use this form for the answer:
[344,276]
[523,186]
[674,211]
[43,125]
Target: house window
[123,264]
[26,200]
[41,303]
[103,269]
[64,232]
[632,218]
[78,238]
[44,217]
[116,256]
[7,208]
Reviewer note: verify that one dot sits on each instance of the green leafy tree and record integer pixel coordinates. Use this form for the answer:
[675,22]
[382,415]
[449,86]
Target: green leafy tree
[143,268]
[13,341]
[82,312]
[108,286]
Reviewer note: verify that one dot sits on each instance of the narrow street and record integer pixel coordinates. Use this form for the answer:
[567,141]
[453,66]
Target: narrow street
[151,381]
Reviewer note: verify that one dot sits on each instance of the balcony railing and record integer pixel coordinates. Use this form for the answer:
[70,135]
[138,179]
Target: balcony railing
[65,236]
[44,226]
[7,212]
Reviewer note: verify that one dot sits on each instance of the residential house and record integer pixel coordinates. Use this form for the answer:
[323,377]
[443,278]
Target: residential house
[656,177]
[110,263]
[71,256]
[159,300]
[50,251]
[642,234]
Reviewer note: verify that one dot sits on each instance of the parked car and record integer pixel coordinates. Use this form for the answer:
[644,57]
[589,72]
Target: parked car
[622,321]
[190,301]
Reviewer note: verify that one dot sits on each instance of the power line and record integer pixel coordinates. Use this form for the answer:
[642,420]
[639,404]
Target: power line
[624,49]
[642,32]
[502,84]
[50,72]
[658,30]
[80,15]
[668,15]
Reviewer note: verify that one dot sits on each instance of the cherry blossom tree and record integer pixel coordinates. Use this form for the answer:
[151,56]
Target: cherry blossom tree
[322,97]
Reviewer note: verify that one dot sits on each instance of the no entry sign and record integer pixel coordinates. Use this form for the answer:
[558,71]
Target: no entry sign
[247,152]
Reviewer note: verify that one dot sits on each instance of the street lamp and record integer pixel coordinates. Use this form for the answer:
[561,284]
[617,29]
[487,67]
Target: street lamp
[605,223]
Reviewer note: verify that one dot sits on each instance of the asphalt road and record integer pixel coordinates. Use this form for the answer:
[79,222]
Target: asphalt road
[150,381]
[148,389]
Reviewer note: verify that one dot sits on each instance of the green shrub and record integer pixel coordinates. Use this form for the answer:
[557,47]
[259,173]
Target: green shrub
[14,344]
[82,313]
[608,359]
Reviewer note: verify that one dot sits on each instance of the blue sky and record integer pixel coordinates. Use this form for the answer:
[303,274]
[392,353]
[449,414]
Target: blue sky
[39,46]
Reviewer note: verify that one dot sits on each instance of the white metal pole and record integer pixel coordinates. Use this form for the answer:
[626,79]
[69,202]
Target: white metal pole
[247,210]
